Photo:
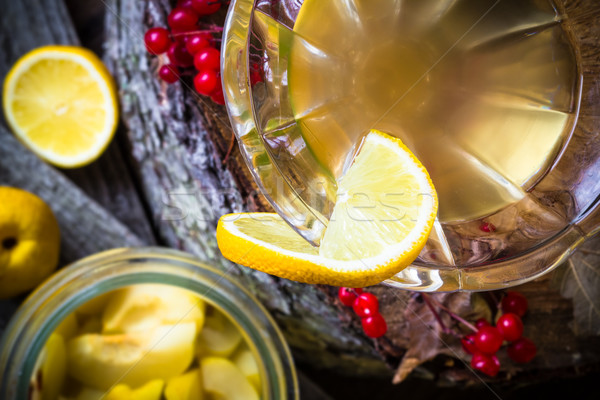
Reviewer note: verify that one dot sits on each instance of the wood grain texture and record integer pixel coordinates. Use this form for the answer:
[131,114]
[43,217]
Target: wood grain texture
[188,188]
[181,144]
[86,227]
[107,180]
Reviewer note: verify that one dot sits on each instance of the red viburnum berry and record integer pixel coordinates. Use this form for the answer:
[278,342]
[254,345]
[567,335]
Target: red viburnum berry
[182,19]
[206,7]
[522,351]
[179,56]
[185,4]
[196,43]
[488,339]
[488,364]
[157,40]
[366,304]
[514,302]
[481,322]
[374,325]
[207,58]
[487,227]
[348,295]
[510,326]
[169,73]
[468,344]
[217,95]
[205,82]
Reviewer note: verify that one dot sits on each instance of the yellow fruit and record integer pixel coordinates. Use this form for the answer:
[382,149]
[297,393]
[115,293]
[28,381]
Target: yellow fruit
[29,241]
[54,366]
[101,361]
[60,101]
[185,387]
[222,378]
[246,362]
[149,391]
[385,209]
[219,337]
[146,306]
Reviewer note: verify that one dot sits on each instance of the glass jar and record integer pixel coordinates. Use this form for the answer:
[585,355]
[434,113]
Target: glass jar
[74,285]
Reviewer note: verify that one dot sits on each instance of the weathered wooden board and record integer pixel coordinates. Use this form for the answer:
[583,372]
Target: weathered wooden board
[180,142]
[107,180]
[86,227]
[188,188]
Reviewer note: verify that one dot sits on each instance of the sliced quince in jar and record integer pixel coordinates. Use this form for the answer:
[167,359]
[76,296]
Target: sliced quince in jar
[152,390]
[51,366]
[246,362]
[224,380]
[185,387]
[101,361]
[219,337]
[145,306]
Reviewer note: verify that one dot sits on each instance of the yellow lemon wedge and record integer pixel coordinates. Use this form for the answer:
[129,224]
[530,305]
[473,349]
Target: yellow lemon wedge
[385,209]
[60,101]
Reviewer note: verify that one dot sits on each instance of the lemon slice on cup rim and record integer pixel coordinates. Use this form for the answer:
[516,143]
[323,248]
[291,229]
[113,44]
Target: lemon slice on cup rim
[385,209]
[60,102]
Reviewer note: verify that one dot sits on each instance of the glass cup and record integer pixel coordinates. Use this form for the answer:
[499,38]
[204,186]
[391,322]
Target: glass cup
[518,189]
[93,276]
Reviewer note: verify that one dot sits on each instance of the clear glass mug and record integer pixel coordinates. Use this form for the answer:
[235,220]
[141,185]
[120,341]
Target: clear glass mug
[548,181]
[93,276]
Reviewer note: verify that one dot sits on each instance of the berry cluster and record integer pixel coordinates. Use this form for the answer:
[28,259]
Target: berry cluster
[485,342]
[188,45]
[366,306]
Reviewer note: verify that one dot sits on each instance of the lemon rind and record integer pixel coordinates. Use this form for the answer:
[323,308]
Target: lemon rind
[241,248]
[98,72]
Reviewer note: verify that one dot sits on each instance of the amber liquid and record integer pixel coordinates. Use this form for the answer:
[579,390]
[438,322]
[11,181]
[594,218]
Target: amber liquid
[481,91]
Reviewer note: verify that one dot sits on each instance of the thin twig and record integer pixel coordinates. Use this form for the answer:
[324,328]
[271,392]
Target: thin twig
[231,143]
[452,314]
[445,329]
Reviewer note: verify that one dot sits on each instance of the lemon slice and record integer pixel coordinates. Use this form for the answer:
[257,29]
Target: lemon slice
[385,209]
[60,101]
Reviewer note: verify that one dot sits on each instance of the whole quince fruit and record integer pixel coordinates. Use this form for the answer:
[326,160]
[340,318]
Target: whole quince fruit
[29,241]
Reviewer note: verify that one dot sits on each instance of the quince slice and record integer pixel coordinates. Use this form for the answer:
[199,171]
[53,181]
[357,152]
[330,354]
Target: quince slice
[222,378]
[150,391]
[53,368]
[101,361]
[185,387]
[145,306]
[219,337]
[246,362]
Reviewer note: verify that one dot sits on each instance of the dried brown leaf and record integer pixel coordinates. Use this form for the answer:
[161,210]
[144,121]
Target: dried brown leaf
[426,337]
[579,279]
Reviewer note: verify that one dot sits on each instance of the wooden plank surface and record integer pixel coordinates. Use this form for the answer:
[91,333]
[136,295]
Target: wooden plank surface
[86,227]
[108,179]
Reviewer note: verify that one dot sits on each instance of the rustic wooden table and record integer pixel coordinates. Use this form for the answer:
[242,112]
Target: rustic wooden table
[103,205]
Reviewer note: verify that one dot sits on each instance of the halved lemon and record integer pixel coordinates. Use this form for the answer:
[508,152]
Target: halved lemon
[385,209]
[60,101]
